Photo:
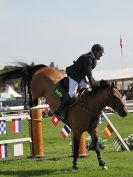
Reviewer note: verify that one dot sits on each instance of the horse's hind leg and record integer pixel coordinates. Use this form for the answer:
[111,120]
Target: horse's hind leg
[26,98]
[76,141]
[29,102]
[34,102]
[96,148]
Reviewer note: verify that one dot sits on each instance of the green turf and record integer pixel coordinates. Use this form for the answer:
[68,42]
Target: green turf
[58,161]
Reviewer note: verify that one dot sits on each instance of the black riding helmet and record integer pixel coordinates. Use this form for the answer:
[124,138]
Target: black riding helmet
[97,48]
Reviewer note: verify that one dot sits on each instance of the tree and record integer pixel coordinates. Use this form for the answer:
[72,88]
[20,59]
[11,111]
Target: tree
[14,82]
[6,68]
[52,64]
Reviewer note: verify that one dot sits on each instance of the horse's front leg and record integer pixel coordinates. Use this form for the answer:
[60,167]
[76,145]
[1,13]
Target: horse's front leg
[75,148]
[96,148]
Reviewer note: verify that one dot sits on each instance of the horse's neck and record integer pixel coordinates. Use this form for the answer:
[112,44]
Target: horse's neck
[101,99]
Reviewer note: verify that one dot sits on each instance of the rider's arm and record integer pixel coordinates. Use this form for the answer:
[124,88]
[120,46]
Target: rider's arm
[88,70]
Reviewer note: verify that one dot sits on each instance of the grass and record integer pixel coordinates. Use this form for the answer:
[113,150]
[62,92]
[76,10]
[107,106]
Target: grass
[58,161]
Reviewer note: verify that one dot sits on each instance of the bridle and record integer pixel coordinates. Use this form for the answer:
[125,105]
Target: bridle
[117,94]
[111,92]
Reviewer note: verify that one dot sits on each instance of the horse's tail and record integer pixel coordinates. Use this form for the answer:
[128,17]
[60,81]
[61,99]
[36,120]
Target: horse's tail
[22,71]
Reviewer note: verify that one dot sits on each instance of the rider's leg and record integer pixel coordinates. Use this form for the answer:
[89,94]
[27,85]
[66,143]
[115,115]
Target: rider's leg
[73,86]
[84,84]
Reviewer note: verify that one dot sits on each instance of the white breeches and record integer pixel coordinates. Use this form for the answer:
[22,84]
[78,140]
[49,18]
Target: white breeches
[73,86]
[83,84]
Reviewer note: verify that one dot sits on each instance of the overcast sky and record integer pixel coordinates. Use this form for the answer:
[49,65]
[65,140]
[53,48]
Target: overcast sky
[61,30]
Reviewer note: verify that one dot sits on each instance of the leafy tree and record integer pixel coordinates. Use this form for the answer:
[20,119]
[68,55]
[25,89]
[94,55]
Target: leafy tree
[14,82]
[52,64]
[6,68]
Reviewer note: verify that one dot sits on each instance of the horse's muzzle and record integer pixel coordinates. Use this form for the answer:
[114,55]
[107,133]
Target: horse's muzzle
[124,114]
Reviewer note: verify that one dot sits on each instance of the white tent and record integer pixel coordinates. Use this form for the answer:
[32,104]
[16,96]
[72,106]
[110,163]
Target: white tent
[10,93]
[123,76]
[114,74]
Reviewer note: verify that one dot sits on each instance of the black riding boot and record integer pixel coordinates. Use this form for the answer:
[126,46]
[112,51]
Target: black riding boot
[65,102]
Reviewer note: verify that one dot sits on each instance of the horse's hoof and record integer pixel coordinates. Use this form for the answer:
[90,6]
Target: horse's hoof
[75,167]
[26,107]
[104,167]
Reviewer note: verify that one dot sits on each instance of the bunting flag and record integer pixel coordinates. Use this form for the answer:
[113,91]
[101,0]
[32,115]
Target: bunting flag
[2,127]
[46,111]
[55,121]
[65,131]
[46,102]
[121,45]
[16,125]
[116,144]
[3,150]
[108,131]
[18,149]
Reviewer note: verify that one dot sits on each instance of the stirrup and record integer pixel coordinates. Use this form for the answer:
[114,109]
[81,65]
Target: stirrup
[59,111]
[58,114]
[26,105]
[83,91]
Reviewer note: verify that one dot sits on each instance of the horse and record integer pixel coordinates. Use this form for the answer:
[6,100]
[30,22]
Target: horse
[40,80]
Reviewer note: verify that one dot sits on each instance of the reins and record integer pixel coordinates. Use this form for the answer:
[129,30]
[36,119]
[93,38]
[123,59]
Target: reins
[117,94]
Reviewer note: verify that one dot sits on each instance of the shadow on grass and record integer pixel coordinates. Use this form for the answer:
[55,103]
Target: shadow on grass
[28,173]
[29,158]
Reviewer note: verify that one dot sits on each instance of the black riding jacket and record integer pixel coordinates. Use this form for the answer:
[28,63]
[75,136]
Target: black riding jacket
[82,67]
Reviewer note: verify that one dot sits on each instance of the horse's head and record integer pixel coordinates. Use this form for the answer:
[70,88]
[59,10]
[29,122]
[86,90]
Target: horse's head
[115,101]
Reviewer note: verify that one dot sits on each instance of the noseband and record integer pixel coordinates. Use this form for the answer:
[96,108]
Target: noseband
[116,93]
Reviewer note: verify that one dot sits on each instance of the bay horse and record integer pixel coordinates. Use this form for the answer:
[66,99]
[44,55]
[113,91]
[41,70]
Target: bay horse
[83,115]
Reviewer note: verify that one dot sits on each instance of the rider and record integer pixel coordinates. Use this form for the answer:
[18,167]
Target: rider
[78,71]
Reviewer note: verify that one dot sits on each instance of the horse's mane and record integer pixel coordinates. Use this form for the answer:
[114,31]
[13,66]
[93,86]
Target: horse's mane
[102,84]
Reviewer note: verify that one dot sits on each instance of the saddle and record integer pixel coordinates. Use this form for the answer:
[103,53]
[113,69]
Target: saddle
[61,88]
[60,92]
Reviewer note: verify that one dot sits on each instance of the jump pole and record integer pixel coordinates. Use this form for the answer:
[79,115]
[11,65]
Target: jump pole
[36,132]
[82,146]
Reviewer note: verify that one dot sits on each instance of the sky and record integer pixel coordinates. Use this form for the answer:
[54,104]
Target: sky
[59,31]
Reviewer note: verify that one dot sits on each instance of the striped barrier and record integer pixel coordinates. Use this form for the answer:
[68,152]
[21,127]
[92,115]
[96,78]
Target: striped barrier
[111,128]
[16,122]
[35,128]
[36,132]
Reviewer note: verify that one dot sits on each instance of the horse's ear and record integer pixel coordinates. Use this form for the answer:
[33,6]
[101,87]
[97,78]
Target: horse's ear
[115,84]
[112,85]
